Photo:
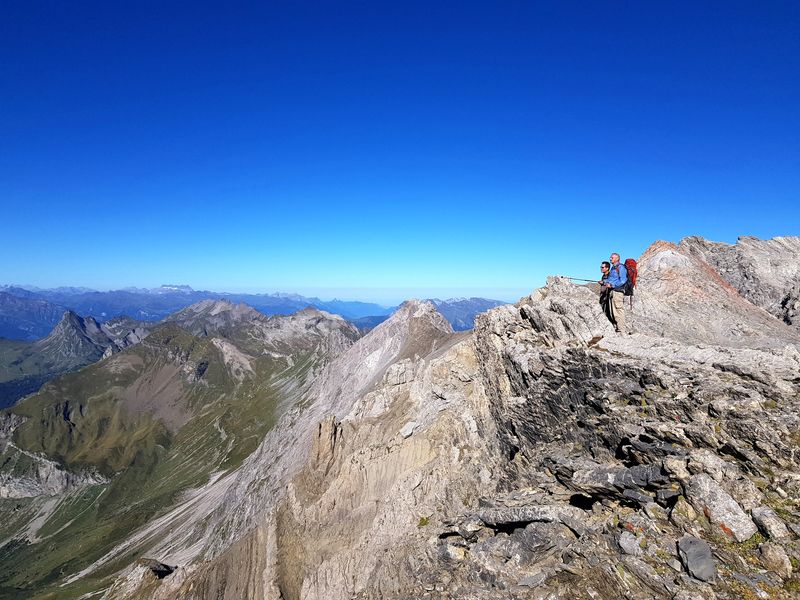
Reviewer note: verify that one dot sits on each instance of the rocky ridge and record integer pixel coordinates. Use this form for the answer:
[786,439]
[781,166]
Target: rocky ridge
[213,316]
[26,318]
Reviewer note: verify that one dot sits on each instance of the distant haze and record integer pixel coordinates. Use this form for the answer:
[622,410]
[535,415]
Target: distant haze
[385,296]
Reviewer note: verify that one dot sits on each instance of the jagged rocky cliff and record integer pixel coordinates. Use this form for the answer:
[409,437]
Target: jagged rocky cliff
[538,456]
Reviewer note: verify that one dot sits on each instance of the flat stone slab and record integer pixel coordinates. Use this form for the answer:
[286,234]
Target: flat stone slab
[528,514]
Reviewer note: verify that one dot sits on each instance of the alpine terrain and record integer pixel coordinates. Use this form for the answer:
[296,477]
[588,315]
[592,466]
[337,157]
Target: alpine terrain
[539,455]
[73,343]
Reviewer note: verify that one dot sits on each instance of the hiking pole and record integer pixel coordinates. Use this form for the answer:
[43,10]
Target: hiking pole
[578,279]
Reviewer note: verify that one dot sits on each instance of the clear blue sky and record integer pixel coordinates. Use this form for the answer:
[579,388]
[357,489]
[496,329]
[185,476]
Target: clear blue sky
[381,150]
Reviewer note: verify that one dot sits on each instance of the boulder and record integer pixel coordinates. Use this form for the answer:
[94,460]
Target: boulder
[708,497]
[775,559]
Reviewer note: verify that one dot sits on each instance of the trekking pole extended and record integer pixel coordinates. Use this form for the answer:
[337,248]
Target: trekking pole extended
[579,279]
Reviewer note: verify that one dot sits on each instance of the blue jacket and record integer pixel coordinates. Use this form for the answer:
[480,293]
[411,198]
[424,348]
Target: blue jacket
[617,279]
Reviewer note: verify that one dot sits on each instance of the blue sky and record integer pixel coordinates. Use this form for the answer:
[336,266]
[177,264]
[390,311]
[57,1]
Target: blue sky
[378,150]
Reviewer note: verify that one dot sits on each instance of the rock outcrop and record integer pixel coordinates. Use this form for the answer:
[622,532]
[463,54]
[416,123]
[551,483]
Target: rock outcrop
[28,474]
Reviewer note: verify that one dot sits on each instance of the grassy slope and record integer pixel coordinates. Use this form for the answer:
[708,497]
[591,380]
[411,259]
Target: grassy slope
[79,421]
[25,367]
[22,371]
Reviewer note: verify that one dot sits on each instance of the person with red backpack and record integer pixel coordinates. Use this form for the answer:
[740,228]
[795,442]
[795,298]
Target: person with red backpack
[617,279]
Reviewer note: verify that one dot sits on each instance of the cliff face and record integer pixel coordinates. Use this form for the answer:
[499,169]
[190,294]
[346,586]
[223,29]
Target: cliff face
[539,456]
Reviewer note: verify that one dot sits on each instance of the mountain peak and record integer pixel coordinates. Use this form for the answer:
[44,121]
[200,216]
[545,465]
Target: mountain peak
[70,319]
[213,307]
[212,317]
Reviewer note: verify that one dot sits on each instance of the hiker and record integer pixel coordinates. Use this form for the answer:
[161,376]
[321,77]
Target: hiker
[605,292]
[615,284]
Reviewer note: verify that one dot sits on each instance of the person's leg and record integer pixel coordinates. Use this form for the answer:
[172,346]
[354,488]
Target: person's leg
[619,310]
[605,300]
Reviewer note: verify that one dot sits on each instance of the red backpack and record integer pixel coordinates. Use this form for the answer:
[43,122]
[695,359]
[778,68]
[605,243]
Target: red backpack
[630,266]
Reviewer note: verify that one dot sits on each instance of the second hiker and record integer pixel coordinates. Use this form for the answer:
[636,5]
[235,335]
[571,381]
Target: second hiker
[605,292]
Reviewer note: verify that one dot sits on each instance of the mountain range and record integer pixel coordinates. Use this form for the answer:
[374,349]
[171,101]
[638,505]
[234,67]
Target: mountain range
[230,454]
[76,341]
[155,304]
[24,316]
[29,314]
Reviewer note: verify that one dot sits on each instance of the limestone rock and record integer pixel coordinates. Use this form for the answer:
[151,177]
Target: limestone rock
[408,429]
[629,544]
[766,272]
[708,498]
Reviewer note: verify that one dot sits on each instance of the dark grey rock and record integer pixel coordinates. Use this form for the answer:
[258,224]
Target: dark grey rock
[158,568]
[637,496]
[697,558]
[525,514]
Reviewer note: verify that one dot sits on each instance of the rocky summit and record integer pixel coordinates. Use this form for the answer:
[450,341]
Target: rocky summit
[539,455]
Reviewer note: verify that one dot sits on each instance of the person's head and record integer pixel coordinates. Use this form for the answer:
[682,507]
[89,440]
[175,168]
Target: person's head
[605,266]
[614,258]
